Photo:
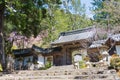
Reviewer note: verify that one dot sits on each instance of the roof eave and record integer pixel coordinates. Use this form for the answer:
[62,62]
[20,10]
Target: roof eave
[62,43]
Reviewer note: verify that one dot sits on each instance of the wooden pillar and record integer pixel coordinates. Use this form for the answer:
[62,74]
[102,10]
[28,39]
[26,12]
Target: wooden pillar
[63,56]
[53,59]
[69,57]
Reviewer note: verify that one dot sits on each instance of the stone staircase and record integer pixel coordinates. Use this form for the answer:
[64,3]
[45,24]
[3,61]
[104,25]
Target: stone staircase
[63,73]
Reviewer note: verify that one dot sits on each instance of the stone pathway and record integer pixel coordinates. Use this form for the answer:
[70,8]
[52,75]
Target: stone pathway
[63,73]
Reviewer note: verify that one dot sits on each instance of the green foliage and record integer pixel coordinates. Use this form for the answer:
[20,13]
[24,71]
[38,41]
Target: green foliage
[98,5]
[82,64]
[86,58]
[77,7]
[26,16]
[115,62]
[33,16]
[107,12]
[30,17]
[8,48]
[76,17]
[112,10]
[42,68]
[1,69]
[48,65]
[61,21]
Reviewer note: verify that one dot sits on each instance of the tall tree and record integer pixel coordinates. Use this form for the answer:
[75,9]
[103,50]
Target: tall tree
[62,19]
[107,12]
[98,5]
[2,9]
[76,15]
[22,16]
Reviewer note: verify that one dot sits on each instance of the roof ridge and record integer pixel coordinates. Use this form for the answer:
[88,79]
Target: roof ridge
[76,31]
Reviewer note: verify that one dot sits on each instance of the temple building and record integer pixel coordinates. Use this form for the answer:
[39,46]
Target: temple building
[69,47]
[73,43]
[63,50]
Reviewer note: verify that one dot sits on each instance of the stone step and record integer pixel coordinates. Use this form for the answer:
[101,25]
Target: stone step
[62,67]
[70,72]
[63,74]
[96,76]
[55,77]
[57,70]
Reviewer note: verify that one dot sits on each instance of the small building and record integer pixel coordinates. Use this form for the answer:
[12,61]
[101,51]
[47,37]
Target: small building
[96,49]
[113,42]
[35,55]
[97,46]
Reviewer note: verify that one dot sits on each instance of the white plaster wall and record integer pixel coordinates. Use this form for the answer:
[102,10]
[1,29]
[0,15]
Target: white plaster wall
[77,58]
[41,61]
[118,49]
[109,58]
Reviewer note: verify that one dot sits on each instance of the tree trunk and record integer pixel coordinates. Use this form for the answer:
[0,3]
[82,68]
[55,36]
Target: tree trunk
[2,55]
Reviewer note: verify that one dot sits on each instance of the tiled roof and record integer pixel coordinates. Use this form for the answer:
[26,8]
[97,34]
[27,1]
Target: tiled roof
[41,50]
[38,49]
[98,43]
[75,35]
[45,51]
[21,51]
[28,51]
[115,37]
[95,45]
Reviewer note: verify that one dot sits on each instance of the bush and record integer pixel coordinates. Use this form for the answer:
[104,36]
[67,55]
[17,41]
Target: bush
[82,64]
[42,68]
[48,64]
[1,69]
[115,62]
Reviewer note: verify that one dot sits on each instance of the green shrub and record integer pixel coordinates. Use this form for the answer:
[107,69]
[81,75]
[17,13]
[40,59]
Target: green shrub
[82,64]
[48,64]
[115,62]
[42,68]
[1,69]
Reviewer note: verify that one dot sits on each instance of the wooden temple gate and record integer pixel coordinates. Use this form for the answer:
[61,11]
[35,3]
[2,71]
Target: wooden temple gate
[72,41]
